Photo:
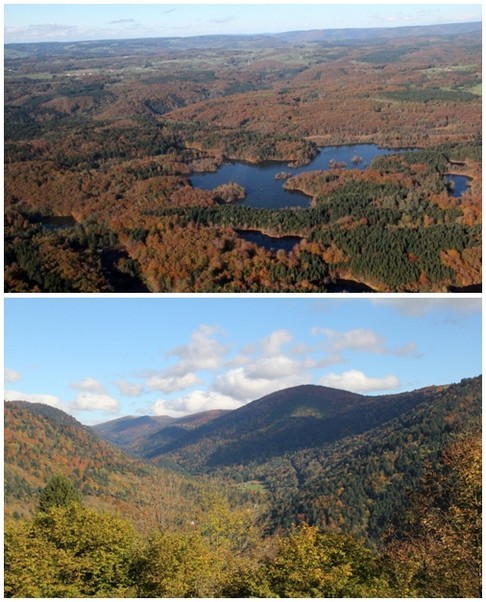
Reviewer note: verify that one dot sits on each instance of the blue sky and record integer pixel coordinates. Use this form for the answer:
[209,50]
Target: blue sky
[37,22]
[101,358]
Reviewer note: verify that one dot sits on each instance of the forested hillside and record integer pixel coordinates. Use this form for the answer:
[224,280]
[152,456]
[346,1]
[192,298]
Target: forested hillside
[331,458]
[392,512]
[42,442]
[101,141]
[364,483]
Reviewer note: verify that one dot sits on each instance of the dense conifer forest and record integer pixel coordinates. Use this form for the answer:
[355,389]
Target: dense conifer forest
[102,138]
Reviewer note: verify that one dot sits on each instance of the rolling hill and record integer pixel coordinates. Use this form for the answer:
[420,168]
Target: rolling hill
[294,419]
[140,434]
[126,431]
[340,460]
[42,441]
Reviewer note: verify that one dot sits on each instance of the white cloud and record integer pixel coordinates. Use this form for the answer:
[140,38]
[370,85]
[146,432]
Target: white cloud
[88,384]
[358,382]
[11,376]
[301,349]
[44,31]
[245,387]
[129,389]
[275,368]
[272,344]
[170,384]
[94,401]
[418,307]
[363,340]
[194,402]
[50,400]
[202,352]
[119,21]
[359,339]
[409,349]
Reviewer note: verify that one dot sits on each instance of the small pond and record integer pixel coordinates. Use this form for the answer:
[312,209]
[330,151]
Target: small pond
[272,243]
[457,184]
[263,183]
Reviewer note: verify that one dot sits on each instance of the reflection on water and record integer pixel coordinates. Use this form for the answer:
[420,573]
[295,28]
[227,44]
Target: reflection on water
[272,243]
[263,183]
[457,184]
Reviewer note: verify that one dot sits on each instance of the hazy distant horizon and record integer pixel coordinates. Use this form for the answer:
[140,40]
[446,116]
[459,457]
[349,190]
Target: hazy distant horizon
[34,23]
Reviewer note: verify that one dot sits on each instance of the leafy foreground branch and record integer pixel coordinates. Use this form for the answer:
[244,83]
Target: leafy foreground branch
[69,550]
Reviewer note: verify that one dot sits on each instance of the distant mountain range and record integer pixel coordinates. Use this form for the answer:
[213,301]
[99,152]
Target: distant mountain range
[141,434]
[286,421]
[222,42]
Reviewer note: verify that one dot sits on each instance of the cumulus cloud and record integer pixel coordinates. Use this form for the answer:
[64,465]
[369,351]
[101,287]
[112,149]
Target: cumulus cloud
[359,339]
[88,384]
[358,382]
[170,384]
[129,389]
[194,402]
[273,343]
[11,376]
[246,385]
[86,401]
[202,352]
[277,367]
[50,400]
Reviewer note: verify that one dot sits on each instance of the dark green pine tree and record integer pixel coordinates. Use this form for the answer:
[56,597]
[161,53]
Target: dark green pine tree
[59,491]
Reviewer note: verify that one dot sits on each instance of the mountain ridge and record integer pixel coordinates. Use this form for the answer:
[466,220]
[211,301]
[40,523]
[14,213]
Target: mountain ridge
[355,34]
[288,420]
[327,456]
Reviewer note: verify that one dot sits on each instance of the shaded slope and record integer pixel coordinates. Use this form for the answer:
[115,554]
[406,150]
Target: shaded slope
[365,483]
[285,421]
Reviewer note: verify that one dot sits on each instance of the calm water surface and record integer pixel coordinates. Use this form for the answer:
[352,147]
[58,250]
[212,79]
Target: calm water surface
[265,191]
[272,243]
[460,184]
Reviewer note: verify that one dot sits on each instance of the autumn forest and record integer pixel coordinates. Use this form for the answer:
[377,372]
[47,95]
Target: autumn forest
[306,492]
[203,465]
[102,140]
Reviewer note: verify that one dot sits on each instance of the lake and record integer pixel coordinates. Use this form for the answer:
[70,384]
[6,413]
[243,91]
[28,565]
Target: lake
[264,190]
[459,184]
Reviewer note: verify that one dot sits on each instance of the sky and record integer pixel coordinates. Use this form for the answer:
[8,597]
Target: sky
[65,22]
[102,358]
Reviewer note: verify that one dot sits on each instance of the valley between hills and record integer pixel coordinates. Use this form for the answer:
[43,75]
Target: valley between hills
[106,143]
[306,492]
